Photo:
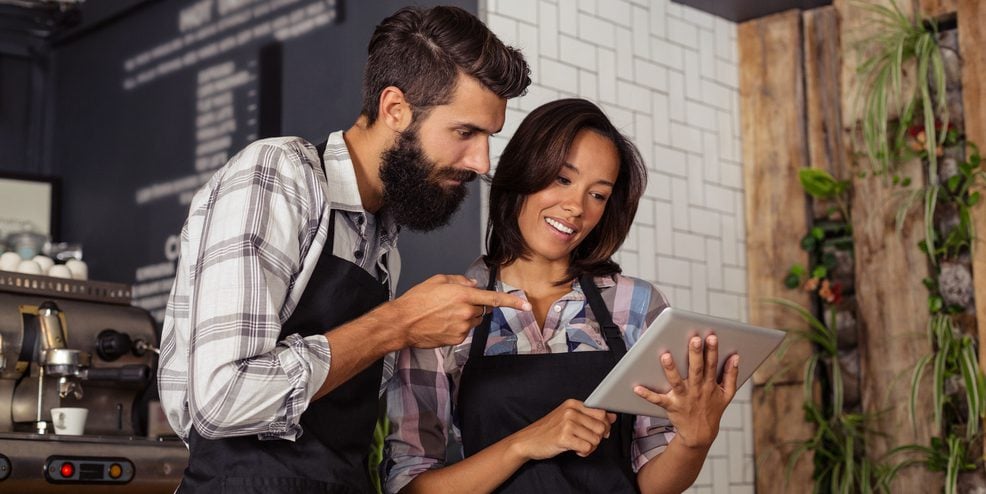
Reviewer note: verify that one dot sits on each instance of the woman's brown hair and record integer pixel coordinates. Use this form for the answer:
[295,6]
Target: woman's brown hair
[533,159]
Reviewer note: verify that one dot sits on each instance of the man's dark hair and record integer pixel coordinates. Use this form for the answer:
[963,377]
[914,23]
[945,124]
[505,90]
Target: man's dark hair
[421,52]
[533,160]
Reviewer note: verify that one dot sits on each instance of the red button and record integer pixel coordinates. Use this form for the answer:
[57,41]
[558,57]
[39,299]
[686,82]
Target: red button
[67,470]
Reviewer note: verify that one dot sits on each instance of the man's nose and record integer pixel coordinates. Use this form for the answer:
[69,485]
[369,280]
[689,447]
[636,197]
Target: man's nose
[478,158]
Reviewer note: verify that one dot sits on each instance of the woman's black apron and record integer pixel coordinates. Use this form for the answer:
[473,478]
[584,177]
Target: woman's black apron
[499,395]
[331,456]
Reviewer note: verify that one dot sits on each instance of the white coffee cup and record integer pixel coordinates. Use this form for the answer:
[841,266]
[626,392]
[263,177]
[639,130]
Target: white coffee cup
[69,421]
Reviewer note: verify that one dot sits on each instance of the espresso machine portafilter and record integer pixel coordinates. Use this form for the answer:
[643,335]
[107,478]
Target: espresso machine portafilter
[56,361]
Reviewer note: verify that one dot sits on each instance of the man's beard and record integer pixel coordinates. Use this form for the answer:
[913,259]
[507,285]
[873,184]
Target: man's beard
[413,189]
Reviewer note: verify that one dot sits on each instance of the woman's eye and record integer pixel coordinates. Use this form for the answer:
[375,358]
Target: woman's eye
[599,197]
[563,180]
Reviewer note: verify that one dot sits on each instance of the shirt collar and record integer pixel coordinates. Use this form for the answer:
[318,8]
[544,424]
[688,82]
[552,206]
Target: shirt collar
[343,190]
[479,268]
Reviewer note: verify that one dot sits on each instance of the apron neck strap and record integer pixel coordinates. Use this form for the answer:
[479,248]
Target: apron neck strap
[482,332]
[611,332]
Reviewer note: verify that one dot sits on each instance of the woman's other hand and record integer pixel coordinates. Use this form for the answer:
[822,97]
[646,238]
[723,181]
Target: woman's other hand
[695,404]
[571,426]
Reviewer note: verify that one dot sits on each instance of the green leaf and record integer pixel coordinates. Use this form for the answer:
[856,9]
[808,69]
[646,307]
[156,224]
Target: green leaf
[934,304]
[952,137]
[808,243]
[819,272]
[818,233]
[818,183]
[974,198]
[916,387]
[792,281]
[970,375]
[906,182]
[930,283]
[797,269]
[930,202]
[953,183]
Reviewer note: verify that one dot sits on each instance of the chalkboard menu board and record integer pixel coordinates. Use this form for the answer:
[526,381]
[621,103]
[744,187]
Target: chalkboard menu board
[150,104]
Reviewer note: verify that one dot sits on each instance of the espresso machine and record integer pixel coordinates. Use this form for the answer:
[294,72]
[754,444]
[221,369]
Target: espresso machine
[71,343]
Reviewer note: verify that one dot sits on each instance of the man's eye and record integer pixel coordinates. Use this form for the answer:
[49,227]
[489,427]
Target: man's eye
[464,133]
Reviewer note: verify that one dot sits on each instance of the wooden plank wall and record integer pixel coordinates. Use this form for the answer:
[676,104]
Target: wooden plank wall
[972,39]
[889,268]
[822,68]
[774,149]
[936,9]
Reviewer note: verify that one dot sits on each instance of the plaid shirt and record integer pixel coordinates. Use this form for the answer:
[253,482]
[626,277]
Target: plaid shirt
[253,236]
[421,399]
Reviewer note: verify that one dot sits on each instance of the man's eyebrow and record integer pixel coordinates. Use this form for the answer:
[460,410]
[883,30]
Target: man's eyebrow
[475,128]
[575,169]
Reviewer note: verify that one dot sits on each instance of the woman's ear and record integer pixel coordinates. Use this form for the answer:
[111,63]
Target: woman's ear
[394,109]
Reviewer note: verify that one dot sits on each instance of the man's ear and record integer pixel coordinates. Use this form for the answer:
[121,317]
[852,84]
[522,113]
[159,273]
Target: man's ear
[394,110]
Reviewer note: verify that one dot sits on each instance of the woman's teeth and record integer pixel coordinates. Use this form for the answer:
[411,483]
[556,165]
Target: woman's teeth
[560,227]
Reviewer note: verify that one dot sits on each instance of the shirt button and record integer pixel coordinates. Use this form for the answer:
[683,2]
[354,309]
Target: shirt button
[358,254]
[558,308]
[359,220]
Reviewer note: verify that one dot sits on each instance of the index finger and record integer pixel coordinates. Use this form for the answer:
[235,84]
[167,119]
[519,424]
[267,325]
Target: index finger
[458,279]
[491,298]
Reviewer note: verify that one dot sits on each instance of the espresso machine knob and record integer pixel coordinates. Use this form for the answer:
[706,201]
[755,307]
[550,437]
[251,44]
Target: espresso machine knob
[112,344]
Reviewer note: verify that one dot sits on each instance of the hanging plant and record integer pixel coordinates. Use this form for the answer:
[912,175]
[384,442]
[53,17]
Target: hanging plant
[900,41]
[905,46]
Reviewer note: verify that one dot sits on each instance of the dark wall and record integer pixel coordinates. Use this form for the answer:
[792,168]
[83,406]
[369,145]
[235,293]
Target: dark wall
[135,131]
[18,127]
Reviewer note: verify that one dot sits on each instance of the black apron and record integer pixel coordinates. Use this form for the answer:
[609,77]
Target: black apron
[332,454]
[499,395]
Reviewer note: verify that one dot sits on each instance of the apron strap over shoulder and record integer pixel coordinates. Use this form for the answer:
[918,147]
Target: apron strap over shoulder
[614,339]
[482,332]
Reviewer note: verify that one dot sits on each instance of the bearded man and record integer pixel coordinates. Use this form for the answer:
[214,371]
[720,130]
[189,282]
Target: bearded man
[283,311]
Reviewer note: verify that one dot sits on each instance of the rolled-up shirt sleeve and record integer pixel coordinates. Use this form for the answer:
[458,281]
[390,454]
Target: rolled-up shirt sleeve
[253,228]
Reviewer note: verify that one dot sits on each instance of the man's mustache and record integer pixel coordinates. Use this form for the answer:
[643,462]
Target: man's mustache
[456,174]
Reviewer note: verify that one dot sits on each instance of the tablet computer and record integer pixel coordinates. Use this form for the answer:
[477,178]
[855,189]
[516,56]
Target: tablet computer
[670,332]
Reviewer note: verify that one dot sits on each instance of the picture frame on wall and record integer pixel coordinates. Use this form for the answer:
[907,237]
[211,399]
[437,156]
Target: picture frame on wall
[28,203]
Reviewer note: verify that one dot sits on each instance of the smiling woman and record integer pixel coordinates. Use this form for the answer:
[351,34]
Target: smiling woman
[555,220]
[555,143]
[561,203]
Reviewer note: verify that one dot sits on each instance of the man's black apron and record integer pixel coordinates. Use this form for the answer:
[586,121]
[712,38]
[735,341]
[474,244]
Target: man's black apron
[331,455]
[499,395]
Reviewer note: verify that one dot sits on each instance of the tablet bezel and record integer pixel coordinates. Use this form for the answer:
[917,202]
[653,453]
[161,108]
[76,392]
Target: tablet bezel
[670,332]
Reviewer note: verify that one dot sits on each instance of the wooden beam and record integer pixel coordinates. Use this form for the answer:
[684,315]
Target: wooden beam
[972,37]
[893,319]
[892,300]
[772,109]
[823,97]
[938,9]
[778,426]
[823,94]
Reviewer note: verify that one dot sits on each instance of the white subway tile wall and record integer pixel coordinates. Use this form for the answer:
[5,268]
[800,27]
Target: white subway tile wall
[666,74]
